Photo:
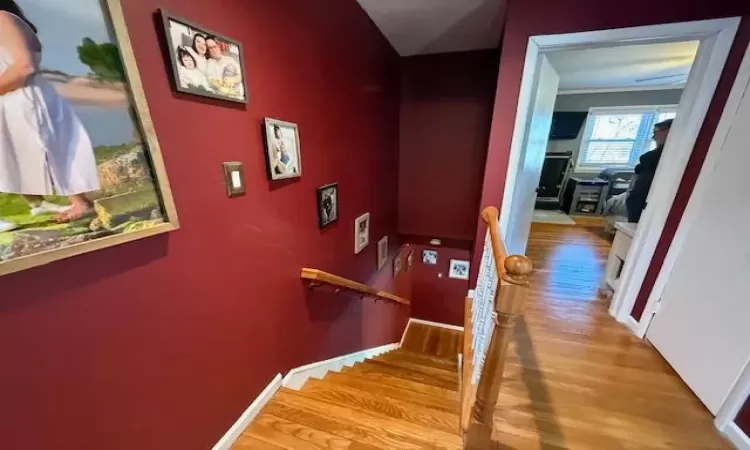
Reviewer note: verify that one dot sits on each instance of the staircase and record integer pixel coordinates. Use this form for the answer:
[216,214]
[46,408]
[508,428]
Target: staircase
[410,398]
[404,399]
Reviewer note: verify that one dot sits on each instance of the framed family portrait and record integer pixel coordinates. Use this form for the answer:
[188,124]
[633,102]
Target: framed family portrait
[204,62]
[328,205]
[361,232]
[282,149]
[80,163]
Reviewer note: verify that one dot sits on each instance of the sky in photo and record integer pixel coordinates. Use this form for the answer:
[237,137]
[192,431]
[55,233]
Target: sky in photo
[62,26]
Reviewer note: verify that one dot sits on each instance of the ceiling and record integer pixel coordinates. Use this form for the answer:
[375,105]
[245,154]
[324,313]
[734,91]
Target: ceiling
[436,26]
[644,66]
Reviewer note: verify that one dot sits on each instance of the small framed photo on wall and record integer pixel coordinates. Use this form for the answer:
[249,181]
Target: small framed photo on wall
[458,269]
[397,265]
[204,62]
[328,205]
[361,232]
[283,158]
[382,252]
[430,257]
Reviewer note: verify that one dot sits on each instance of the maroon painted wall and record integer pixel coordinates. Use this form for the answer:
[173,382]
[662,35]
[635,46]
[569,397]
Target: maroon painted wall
[446,112]
[436,297]
[743,418]
[523,19]
[162,343]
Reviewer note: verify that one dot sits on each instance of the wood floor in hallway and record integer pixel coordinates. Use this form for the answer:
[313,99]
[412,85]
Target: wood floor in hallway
[576,379]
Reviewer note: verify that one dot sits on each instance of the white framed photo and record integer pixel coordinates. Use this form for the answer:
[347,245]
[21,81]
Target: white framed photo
[282,145]
[430,257]
[382,252]
[458,269]
[361,232]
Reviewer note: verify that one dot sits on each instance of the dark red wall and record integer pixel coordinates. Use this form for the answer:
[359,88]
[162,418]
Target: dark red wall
[743,418]
[523,19]
[162,343]
[436,297]
[446,112]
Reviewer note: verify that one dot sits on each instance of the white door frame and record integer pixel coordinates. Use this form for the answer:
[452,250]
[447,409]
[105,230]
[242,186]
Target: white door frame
[739,89]
[725,419]
[731,407]
[716,38]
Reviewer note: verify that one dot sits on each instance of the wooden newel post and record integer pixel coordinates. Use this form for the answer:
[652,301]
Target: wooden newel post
[509,304]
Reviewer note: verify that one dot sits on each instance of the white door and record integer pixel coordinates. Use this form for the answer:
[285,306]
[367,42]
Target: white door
[530,164]
[703,324]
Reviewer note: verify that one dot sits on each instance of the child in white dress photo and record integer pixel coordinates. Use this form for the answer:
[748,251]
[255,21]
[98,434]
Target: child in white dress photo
[44,148]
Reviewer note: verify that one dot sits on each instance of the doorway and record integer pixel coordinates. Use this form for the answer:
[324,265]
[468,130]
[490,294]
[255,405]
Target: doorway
[533,123]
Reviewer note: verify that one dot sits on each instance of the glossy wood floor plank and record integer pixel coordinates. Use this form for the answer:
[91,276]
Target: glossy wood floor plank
[370,428]
[577,379]
[374,366]
[427,400]
[328,391]
[395,381]
[294,436]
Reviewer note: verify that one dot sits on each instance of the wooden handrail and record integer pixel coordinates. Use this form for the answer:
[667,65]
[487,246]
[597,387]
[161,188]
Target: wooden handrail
[318,276]
[510,300]
[491,217]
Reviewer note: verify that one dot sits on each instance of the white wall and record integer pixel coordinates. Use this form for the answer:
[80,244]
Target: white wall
[582,102]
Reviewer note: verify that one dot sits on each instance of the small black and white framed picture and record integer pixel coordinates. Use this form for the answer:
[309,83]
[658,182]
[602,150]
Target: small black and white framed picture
[430,257]
[382,252]
[361,232]
[328,205]
[283,157]
[458,269]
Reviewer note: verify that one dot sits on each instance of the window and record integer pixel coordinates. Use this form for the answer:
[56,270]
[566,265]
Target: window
[617,137]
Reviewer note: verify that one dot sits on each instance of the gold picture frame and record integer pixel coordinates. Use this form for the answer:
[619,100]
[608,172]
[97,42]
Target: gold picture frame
[112,11]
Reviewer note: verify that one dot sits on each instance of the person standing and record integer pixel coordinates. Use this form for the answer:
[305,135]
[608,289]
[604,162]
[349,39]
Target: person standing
[44,148]
[645,172]
[223,72]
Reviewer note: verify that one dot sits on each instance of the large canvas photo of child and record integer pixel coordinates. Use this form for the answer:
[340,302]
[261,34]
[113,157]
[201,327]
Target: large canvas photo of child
[203,62]
[75,166]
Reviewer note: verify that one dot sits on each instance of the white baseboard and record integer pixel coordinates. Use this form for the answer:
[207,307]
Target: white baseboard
[297,377]
[737,437]
[632,325]
[226,441]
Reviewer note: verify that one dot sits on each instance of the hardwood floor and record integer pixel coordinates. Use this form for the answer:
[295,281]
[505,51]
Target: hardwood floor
[576,379]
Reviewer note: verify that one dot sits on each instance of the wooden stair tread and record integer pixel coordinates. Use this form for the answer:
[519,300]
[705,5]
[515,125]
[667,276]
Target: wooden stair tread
[295,436]
[393,381]
[420,358]
[407,374]
[355,425]
[380,388]
[346,396]
[246,442]
[451,375]
[432,340]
